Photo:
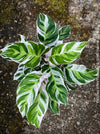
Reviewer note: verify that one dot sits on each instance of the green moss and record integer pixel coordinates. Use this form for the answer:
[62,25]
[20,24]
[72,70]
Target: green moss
[8,11]
[58,9]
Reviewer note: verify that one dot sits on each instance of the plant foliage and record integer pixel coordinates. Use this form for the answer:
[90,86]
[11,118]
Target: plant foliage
[46,70]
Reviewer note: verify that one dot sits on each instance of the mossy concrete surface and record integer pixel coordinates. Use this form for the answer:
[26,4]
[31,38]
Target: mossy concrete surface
[19,17]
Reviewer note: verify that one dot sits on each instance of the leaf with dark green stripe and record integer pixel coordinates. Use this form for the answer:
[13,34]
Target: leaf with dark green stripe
[45,68]
[66,53]
[27,53]
[55,86]
[38,108]
[79,74]
[53,106]
[64,32]
[21,72]
[47,30]
[69,86]
[27,91]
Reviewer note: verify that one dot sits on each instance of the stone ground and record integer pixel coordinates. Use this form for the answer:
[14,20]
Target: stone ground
[19,17]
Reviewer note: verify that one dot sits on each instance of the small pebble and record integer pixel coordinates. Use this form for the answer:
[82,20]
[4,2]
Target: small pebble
[11,73]
[30,13]
[1,40]
[15,21]
[78,123]
[79,96]
[12,28]
[28,18]
[0,72]
[5,74]
[9,37]
[24,5]
[3,82]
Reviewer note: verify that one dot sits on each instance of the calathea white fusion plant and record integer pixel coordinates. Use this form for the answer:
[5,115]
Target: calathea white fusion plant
[46,70]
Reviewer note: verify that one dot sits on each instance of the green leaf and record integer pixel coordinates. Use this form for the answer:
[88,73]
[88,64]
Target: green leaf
[21,72]
[46,50]
[66,53]
[27,91]
[45,68]
[64,32]
[27,53]
[47,30]
[79,74]
[55,86]
[69,86]
[53,106]
[38,108]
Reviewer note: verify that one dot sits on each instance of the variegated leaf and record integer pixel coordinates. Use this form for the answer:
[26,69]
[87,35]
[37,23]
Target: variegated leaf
[64,32]
[21,72]
[69,86]
[79,74]
[66,53]
[45,68]
[27,91]
[55,87]
[54,106]
[27,53]
[38,108]
[47,30]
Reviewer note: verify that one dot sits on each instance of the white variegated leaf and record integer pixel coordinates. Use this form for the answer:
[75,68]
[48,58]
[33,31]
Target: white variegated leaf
[27,53]
[66,53]
[21,72]
[47,30]
[64,32]
[38,109]
[79,74]
[54,106]
[27,91]
[55,87]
